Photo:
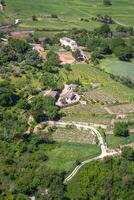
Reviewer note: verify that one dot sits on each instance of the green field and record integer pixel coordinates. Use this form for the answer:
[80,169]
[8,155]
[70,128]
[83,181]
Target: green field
[69,12]
[114,141]
[118,68]
[62,156]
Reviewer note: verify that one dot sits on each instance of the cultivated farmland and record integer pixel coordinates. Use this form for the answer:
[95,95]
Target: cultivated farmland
[69,12]
[100,97]
[74,135]
[86,75]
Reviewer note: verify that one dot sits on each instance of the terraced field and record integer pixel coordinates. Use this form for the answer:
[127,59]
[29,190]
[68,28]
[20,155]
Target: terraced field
[86,75]
[73,135]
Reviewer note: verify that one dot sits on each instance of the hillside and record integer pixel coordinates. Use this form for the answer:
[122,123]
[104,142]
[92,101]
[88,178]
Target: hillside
[69,12]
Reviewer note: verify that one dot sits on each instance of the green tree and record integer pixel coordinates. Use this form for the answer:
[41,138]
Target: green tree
[34,18]
[21,46]
[104,31]
[121,129]
[128,153]
[107,2]
[44,106]
[33,58]
[8,95]
[124,53]
[116,43]
[52,59]
[3,3]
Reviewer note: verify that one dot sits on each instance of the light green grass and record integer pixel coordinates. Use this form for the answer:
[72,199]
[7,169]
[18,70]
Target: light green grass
[114,141]
[118,68]
[63,156]
[68,11]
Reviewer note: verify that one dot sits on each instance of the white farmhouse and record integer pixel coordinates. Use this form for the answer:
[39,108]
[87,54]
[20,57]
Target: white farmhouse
[67,42]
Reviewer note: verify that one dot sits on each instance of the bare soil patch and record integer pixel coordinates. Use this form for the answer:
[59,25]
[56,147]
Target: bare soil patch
[21,34]
[66,57]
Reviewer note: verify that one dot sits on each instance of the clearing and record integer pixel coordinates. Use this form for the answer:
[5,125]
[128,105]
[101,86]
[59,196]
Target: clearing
[62,156]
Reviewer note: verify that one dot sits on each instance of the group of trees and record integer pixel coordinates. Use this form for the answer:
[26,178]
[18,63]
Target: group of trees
[18,51]
[104,19]
[107,2]
[110,179]
[44,107]
[119,47]
[121,129]
[52,62]
[24,172]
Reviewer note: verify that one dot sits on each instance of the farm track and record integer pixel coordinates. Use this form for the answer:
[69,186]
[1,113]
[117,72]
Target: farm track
[85,126]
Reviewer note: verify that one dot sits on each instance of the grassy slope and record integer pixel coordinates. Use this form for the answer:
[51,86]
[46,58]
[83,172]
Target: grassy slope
[118,68]
[114,142]
[63,156]
[69,11]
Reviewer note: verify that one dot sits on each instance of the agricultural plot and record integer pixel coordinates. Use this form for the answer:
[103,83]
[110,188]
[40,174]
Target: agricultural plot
[87,113]
[73,135]
[121,11]
[99,96]
[118,68]
[89,107]
[122,109]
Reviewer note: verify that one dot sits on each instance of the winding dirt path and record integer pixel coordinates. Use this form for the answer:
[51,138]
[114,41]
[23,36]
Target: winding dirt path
[104,152]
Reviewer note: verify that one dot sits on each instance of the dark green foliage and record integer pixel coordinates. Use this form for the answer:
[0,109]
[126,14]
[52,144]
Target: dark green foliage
[96,56]
[24,172]
[104,31]
[128,153]
[3,3]
[32,58]
[123,53]
[109,179]
[23,104]
[13,123]
[121,129]
[67,67]
[52,59]
[124,29]
[116,43]
[49,81]
[53,62]
[7,54]
[44,106]
[104,19]
[77,54]
[34,18]
[8,96]
[107,2]
[21,46]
